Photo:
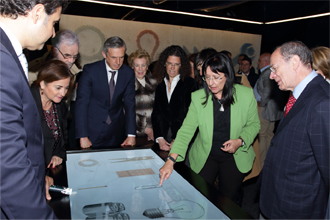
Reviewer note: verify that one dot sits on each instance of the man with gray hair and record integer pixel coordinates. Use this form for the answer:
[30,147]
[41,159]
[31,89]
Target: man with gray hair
[106,90]
[65,47]
[295,176]
[269,108]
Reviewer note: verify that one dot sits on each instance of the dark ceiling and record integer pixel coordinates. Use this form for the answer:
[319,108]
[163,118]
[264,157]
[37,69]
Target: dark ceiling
[314,32]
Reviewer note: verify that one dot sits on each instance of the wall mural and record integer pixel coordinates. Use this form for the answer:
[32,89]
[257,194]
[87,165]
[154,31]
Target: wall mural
[156,43]
[154,38]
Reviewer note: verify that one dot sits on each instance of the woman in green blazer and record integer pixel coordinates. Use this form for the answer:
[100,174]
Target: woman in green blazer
[227,118]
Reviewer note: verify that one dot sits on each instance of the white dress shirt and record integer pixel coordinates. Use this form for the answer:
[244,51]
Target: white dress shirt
[109,74]
[17,47]
[173,85]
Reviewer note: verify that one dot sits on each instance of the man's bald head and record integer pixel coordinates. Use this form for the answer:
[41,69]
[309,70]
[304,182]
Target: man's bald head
[264,60]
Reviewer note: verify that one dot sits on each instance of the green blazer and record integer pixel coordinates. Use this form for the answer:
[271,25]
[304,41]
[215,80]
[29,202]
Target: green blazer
[244,123]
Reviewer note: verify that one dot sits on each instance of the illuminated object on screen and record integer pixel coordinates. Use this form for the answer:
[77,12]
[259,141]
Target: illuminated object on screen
[182,209]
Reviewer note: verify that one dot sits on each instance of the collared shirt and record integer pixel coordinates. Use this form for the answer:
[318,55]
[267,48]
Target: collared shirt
[173,85]
[246,74]
[14,41]
[109,74]
[142,81]
[262,69]
[255,90]
[302,85]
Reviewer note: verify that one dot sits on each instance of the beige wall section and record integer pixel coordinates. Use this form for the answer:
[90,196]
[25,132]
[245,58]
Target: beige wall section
[154,38]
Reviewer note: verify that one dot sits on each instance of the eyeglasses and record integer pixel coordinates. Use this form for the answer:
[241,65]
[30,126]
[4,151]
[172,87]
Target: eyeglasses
[215,78]
[176,65]
[68,56]
[274,67]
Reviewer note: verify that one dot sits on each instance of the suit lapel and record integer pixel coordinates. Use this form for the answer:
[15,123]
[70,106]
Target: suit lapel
[176,90]
[208,118]
[45,129]
[7,44]
[297,107]
[104,81]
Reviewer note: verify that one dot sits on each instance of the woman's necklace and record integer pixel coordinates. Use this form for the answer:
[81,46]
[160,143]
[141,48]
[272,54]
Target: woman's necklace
[221,109]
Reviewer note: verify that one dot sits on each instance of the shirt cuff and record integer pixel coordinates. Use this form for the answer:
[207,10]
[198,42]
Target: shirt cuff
[158,138]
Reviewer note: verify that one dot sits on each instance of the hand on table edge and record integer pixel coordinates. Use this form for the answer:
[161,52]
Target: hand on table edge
[129,141]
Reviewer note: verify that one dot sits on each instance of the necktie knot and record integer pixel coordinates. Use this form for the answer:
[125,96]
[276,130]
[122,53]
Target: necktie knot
[113,73]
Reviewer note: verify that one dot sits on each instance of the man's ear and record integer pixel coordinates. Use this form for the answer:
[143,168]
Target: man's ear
[54,51]
[37,12]
[295,61]
[104,55]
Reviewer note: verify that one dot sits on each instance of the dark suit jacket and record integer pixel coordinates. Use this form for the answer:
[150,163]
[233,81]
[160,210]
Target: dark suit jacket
[167,115]
[266,88]
[295,177]
[21,144]
[93,103]
[252,77]
[49,140]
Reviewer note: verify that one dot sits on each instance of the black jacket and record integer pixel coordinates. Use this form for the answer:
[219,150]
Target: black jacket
[49,140]
[167,115]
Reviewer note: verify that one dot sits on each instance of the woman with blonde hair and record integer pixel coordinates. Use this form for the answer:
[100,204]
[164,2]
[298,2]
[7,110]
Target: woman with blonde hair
[321,61]
[144,96]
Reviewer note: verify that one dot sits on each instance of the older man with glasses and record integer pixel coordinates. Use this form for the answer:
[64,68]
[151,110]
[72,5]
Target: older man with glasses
[65,47]
[295,176]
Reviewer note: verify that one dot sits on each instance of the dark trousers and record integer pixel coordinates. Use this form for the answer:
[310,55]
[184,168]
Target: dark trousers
[230,178]
[109,137]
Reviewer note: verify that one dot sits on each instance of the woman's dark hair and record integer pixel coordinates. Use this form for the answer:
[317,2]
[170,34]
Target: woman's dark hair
[14,8]
[160,68]
[199,60]
[192,58]
[220,62]
[54,70]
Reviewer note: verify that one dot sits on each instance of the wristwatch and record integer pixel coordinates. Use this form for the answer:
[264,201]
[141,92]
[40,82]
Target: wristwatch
[243,143]
[170,158]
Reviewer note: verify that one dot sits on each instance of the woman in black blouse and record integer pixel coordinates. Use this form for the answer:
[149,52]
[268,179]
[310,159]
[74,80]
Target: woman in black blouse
[53,83]
[172,96]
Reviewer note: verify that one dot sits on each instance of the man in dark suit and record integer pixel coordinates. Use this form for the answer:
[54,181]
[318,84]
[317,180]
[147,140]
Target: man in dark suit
[248,70]
[23,24]
[105,89]
[295,176]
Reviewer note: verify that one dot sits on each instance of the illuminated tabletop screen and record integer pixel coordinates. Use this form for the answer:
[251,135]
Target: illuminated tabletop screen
[124,185]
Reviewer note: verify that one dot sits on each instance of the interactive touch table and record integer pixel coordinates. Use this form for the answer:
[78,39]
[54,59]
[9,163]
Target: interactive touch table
[123,184]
